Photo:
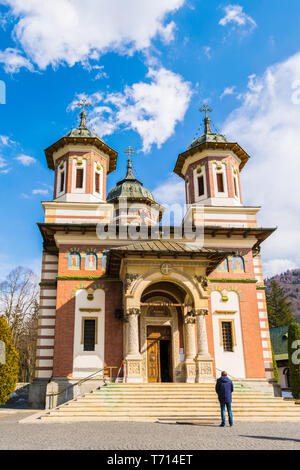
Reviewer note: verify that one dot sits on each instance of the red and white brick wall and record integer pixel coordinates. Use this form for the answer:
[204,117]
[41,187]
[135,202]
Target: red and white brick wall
[47,317]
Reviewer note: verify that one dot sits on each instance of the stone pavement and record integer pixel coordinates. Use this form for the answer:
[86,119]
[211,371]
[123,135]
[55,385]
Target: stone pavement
[144,436]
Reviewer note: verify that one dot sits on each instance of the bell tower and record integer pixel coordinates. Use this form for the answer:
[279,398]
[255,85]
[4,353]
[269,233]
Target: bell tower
[211,169]
[81,161]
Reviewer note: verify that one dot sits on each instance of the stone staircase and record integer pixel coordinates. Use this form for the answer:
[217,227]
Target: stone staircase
[171,402]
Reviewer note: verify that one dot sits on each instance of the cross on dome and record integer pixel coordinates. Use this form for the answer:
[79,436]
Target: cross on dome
[206,109]
[84,105]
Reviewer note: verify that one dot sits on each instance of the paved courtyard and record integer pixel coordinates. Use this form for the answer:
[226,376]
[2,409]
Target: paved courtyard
[144,436]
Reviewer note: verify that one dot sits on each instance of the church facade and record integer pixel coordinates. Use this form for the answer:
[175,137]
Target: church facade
[124,297]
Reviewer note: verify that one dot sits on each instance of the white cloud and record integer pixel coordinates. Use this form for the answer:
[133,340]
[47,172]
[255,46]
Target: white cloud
[170,191]
[277,266]
[13,61]
[71,31]
[207,51]
[5,140]
[25,160]
[3,162]
[151,109]
[228,91]
[42,192]
[267,126]
[171,194]
[234,14]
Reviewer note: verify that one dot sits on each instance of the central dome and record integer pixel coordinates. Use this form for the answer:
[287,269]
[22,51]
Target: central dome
[129,188]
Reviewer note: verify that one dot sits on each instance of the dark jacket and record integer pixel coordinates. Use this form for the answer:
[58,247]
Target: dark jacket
[224,388]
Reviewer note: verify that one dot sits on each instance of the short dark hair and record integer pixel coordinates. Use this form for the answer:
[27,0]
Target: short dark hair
[224,373]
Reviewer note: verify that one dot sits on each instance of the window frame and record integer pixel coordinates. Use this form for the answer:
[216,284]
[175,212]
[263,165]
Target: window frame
[83,319]
[233,335]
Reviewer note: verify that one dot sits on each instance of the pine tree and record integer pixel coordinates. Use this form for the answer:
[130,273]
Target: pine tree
[10,370]
[278,306]
[294,358]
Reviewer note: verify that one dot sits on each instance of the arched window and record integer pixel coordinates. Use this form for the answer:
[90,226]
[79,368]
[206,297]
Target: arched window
[74,260]
[223,267]
[98,180]
[238,264]
[91,261]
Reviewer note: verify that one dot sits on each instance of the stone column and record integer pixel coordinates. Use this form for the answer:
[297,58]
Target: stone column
[189,347]
[204,370]
[133,360]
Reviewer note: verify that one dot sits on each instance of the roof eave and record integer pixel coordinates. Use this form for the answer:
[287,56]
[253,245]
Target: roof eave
[81,140]
[234,146]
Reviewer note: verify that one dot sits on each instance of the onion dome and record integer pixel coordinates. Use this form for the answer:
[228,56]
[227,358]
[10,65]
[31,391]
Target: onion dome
[209,135]
[81,136]
[212,141]
[130,188]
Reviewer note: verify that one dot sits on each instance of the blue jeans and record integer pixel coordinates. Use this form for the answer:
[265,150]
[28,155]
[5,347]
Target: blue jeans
[230,418]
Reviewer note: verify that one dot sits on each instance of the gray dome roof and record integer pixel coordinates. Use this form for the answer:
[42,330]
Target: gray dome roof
[130,188]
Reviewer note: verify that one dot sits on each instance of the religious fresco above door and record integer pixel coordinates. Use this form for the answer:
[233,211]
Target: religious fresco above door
[238,264]
[74,261]
[91,261]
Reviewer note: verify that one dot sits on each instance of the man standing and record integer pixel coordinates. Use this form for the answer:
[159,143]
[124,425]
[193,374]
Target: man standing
[224,389]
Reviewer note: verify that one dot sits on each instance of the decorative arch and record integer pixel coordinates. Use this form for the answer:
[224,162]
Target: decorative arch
[195,291]
[227,288]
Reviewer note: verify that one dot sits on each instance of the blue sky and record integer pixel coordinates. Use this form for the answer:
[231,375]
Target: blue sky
[147,67]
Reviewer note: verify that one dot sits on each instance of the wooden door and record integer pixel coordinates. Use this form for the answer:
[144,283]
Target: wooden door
[154,335]
[153,360]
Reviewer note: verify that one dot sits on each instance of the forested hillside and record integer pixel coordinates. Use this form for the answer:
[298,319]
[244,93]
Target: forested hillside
[290,282]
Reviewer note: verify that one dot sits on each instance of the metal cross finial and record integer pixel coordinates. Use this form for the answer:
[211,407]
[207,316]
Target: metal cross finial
[84,104]
[129,151]
[205,109]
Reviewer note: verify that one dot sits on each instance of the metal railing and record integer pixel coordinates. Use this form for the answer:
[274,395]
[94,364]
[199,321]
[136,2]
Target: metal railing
[231,376]
[65,391]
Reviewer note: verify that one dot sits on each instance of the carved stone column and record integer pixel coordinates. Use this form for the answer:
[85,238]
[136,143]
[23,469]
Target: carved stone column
[204,370]
[133,360]
[189,347]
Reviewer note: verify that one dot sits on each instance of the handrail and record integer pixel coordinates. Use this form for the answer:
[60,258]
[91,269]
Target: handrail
[234,378]
[52,395]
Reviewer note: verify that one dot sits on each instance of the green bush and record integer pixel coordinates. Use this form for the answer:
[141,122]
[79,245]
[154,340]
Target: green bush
[294,358]
[8,372]
[275,368]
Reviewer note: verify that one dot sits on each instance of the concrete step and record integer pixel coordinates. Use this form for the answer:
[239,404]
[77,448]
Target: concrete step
[152,402]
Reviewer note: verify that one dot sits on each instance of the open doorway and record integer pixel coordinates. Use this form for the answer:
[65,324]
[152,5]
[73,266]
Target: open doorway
[159,354]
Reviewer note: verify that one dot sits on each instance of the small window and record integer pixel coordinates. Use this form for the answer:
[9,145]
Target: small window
[89,334]
[220,183]
[235,187]
[79,178]
[227,336]
[62,181]
[200,185]
[187,192]
[97,182]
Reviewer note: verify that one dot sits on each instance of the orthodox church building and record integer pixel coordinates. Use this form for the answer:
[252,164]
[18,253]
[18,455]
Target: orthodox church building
[126,298]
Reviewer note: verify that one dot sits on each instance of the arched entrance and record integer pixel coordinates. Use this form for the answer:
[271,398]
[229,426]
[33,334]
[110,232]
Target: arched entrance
[161,332]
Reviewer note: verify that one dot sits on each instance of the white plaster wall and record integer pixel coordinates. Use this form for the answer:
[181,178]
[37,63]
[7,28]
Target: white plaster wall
[87,362]
[232,362]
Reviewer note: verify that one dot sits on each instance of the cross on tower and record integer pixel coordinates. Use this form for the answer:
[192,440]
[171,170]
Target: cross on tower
[205,109]
[129,151]
[84,104]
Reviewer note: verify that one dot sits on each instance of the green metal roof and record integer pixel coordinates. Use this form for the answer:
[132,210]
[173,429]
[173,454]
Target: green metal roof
[129,188]
[208,137]
[279,341]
